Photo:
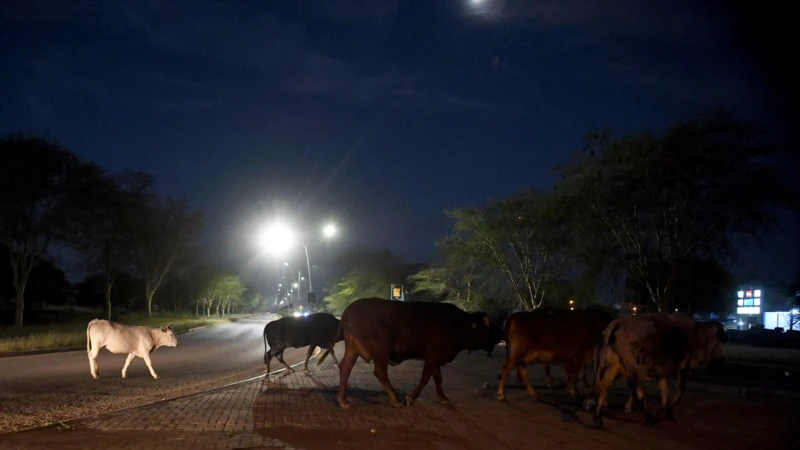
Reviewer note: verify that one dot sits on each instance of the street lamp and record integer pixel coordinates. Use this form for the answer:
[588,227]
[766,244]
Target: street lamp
[572,305]
[277,238]
[328,231]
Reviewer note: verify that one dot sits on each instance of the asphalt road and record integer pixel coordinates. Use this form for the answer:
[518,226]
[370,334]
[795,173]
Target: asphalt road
[40,389]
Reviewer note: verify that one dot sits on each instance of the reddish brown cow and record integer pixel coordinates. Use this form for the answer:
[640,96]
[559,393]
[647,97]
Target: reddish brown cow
[389,332]
[549,335]
[654,345]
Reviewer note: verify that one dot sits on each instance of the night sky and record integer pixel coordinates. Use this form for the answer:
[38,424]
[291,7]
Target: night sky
[376,114]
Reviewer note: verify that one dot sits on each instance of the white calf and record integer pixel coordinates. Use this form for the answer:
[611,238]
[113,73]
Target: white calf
[133,340]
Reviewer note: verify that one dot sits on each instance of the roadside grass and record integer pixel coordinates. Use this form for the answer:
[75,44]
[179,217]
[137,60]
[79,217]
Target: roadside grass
[765,356]
[72,332]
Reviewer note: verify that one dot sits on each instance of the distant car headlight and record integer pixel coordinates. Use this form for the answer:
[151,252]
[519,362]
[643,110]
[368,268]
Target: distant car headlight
[305,314]
[296,314]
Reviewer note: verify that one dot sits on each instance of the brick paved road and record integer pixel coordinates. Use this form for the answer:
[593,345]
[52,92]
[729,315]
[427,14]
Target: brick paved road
[300,411]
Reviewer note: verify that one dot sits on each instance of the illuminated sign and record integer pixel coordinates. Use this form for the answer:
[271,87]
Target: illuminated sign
[397,292]
[740,294]
[748,310]
[757,302]
[748,293]
[740,302]
[757,293]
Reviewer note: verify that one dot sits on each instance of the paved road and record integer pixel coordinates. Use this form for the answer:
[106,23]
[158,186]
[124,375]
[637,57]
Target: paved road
[38,389]
[300,411]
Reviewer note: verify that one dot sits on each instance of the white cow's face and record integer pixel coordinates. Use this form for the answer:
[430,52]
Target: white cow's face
[170,340]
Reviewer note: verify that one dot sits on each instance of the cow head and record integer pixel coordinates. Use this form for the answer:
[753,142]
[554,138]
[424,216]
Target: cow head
[168,339]
[483,334]
[709,337]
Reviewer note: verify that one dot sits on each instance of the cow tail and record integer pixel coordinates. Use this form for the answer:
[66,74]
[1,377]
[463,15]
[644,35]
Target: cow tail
[339,334]
[88,339]
[265,347]
[508,342]
[612,335]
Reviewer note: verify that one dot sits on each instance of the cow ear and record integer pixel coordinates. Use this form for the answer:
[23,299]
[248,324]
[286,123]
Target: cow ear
[474,325]
[164,329]
[169,327]
[486,320]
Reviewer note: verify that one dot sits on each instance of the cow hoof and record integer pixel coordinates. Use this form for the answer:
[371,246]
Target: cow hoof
[95,376]
[444,401]
[306,370]
[124,375]
[533,394]
[501,397]
[344,404]
[155,377]
[598,423]
[409,400]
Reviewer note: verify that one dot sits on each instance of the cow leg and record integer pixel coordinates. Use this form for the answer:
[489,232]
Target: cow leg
[523,369]
[311,349]
[546,367]
[267,360]
[427,371]
[437,379]
[511,363]
[664,390]
[572,368]
[280,359]
[381,371]
[683,378]
[649,418]
[631,399]
[333,355]
[603,381]
[146,358]
[93,367]
[128,361]
[348,361]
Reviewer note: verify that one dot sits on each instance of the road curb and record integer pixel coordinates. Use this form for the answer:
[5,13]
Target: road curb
[179,397]
[47,351]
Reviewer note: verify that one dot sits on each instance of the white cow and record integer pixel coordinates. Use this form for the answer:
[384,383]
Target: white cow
[133,340]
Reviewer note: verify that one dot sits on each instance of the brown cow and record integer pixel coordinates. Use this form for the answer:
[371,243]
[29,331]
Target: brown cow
[551,335]
[390,332]
[654,345]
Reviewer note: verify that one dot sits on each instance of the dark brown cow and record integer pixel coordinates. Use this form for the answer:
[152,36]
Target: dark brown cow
[389,332]
[314,330]
[551,335]
[654,345]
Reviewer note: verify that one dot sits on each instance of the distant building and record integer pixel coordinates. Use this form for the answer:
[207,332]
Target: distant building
[758,304]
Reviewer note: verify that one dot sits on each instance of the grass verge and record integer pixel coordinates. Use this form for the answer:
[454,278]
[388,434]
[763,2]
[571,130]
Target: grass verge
[752,355]
[73,333]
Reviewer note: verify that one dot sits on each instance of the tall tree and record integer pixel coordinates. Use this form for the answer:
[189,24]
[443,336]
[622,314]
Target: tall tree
[36,176]
[105,231]
[164,230]
[521,237]
[369,274]
[681,195]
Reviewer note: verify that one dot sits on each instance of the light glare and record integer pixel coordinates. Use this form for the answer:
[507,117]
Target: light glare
[329,230]
[277,238]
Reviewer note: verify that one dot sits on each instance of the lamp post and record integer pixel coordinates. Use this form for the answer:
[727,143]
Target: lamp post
[278,238]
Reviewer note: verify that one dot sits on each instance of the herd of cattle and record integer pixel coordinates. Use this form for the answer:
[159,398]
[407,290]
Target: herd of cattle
[383,332]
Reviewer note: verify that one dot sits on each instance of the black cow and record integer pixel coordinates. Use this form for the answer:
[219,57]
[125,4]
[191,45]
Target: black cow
[389,332]
[314,330]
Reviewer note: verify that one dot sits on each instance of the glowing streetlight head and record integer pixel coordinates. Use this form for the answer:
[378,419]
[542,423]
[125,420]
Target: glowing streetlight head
[294,285]
[329,230]
[277,238]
